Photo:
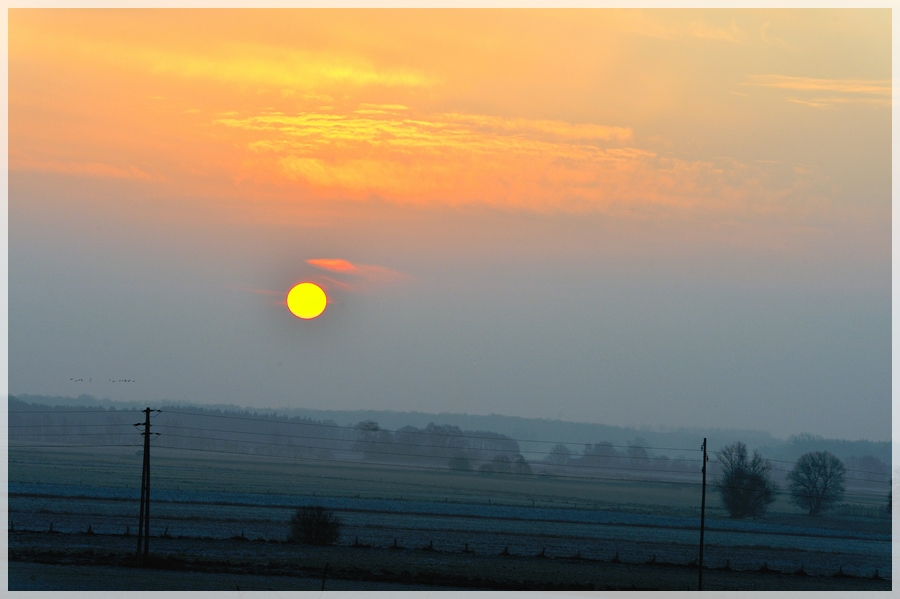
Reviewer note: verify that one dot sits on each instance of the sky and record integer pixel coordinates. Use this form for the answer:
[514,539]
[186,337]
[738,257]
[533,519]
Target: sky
[654,218]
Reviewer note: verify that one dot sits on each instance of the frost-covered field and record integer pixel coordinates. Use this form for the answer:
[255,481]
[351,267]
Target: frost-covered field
[454,526]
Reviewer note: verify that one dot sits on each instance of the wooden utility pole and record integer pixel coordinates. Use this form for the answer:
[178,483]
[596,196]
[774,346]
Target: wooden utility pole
[143,540]
[702,519]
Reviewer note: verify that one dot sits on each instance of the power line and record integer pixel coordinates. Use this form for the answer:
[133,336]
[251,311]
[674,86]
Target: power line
[423,432]
[68,425]
[388,442]
[70,435]
[786,461]
[73,411]
[398,443]
[404,466]
[535,461]
[417,432]
[393,443]
[391,453]
[845,469]
[851,477]
[70,446]
[499,438]
[445,469]
[400,454]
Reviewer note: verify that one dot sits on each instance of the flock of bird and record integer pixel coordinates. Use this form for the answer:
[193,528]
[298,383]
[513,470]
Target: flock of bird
[74,380]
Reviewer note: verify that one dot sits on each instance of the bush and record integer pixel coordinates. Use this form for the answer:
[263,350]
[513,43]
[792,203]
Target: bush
[315,525]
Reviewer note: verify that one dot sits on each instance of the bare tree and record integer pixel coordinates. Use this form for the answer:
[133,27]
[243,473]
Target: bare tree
[745,486]
[817,481]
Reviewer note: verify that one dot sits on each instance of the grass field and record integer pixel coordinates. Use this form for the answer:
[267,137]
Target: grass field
[247,474]
[219,496]
[185,470]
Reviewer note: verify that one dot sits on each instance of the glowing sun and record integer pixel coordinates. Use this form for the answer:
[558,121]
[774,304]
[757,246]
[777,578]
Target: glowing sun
[306,300]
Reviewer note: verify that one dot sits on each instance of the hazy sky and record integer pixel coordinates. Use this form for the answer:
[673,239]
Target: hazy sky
[660,217]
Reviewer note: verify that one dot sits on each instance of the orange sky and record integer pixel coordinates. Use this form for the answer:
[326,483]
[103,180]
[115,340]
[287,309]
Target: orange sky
[657,208]
[578,111]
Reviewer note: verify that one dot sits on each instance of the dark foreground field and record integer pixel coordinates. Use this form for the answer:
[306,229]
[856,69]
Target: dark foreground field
[55,561]
[220,524]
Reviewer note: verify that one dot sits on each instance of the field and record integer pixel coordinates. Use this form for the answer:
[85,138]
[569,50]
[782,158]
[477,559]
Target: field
[404,526]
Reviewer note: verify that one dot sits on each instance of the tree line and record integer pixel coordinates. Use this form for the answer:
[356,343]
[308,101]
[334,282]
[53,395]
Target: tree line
[815,484]
[440,446]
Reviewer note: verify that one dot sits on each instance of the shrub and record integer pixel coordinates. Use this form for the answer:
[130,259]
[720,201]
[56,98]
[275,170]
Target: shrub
[315,525]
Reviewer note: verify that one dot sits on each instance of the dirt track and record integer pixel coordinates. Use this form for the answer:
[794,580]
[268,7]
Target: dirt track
[52,561]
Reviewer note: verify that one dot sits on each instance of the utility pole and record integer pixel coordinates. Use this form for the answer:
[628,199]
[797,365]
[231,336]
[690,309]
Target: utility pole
[702,519]
[143,540]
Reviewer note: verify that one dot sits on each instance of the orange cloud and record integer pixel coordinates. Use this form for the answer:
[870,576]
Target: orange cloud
[367,273]
[448,157]
[458,159]
[334,265]
[219,61]
[297,109]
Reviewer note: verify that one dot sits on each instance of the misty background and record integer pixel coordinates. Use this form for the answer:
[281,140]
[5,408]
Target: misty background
[555,317]
[460,442]
[628,218]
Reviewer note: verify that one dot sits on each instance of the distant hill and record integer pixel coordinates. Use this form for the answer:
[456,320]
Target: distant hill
[535,433]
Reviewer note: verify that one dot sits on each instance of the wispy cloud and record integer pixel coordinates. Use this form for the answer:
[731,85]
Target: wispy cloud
[240,63]
[843,91]
[456,159]
[850,86]
[358,276]
[557,129]
[334,265]
[366,108]
[416,157]
[385,128]
[277,67]
[831,101]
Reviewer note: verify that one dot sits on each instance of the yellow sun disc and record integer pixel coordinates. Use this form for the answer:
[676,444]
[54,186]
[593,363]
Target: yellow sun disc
[306,300]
